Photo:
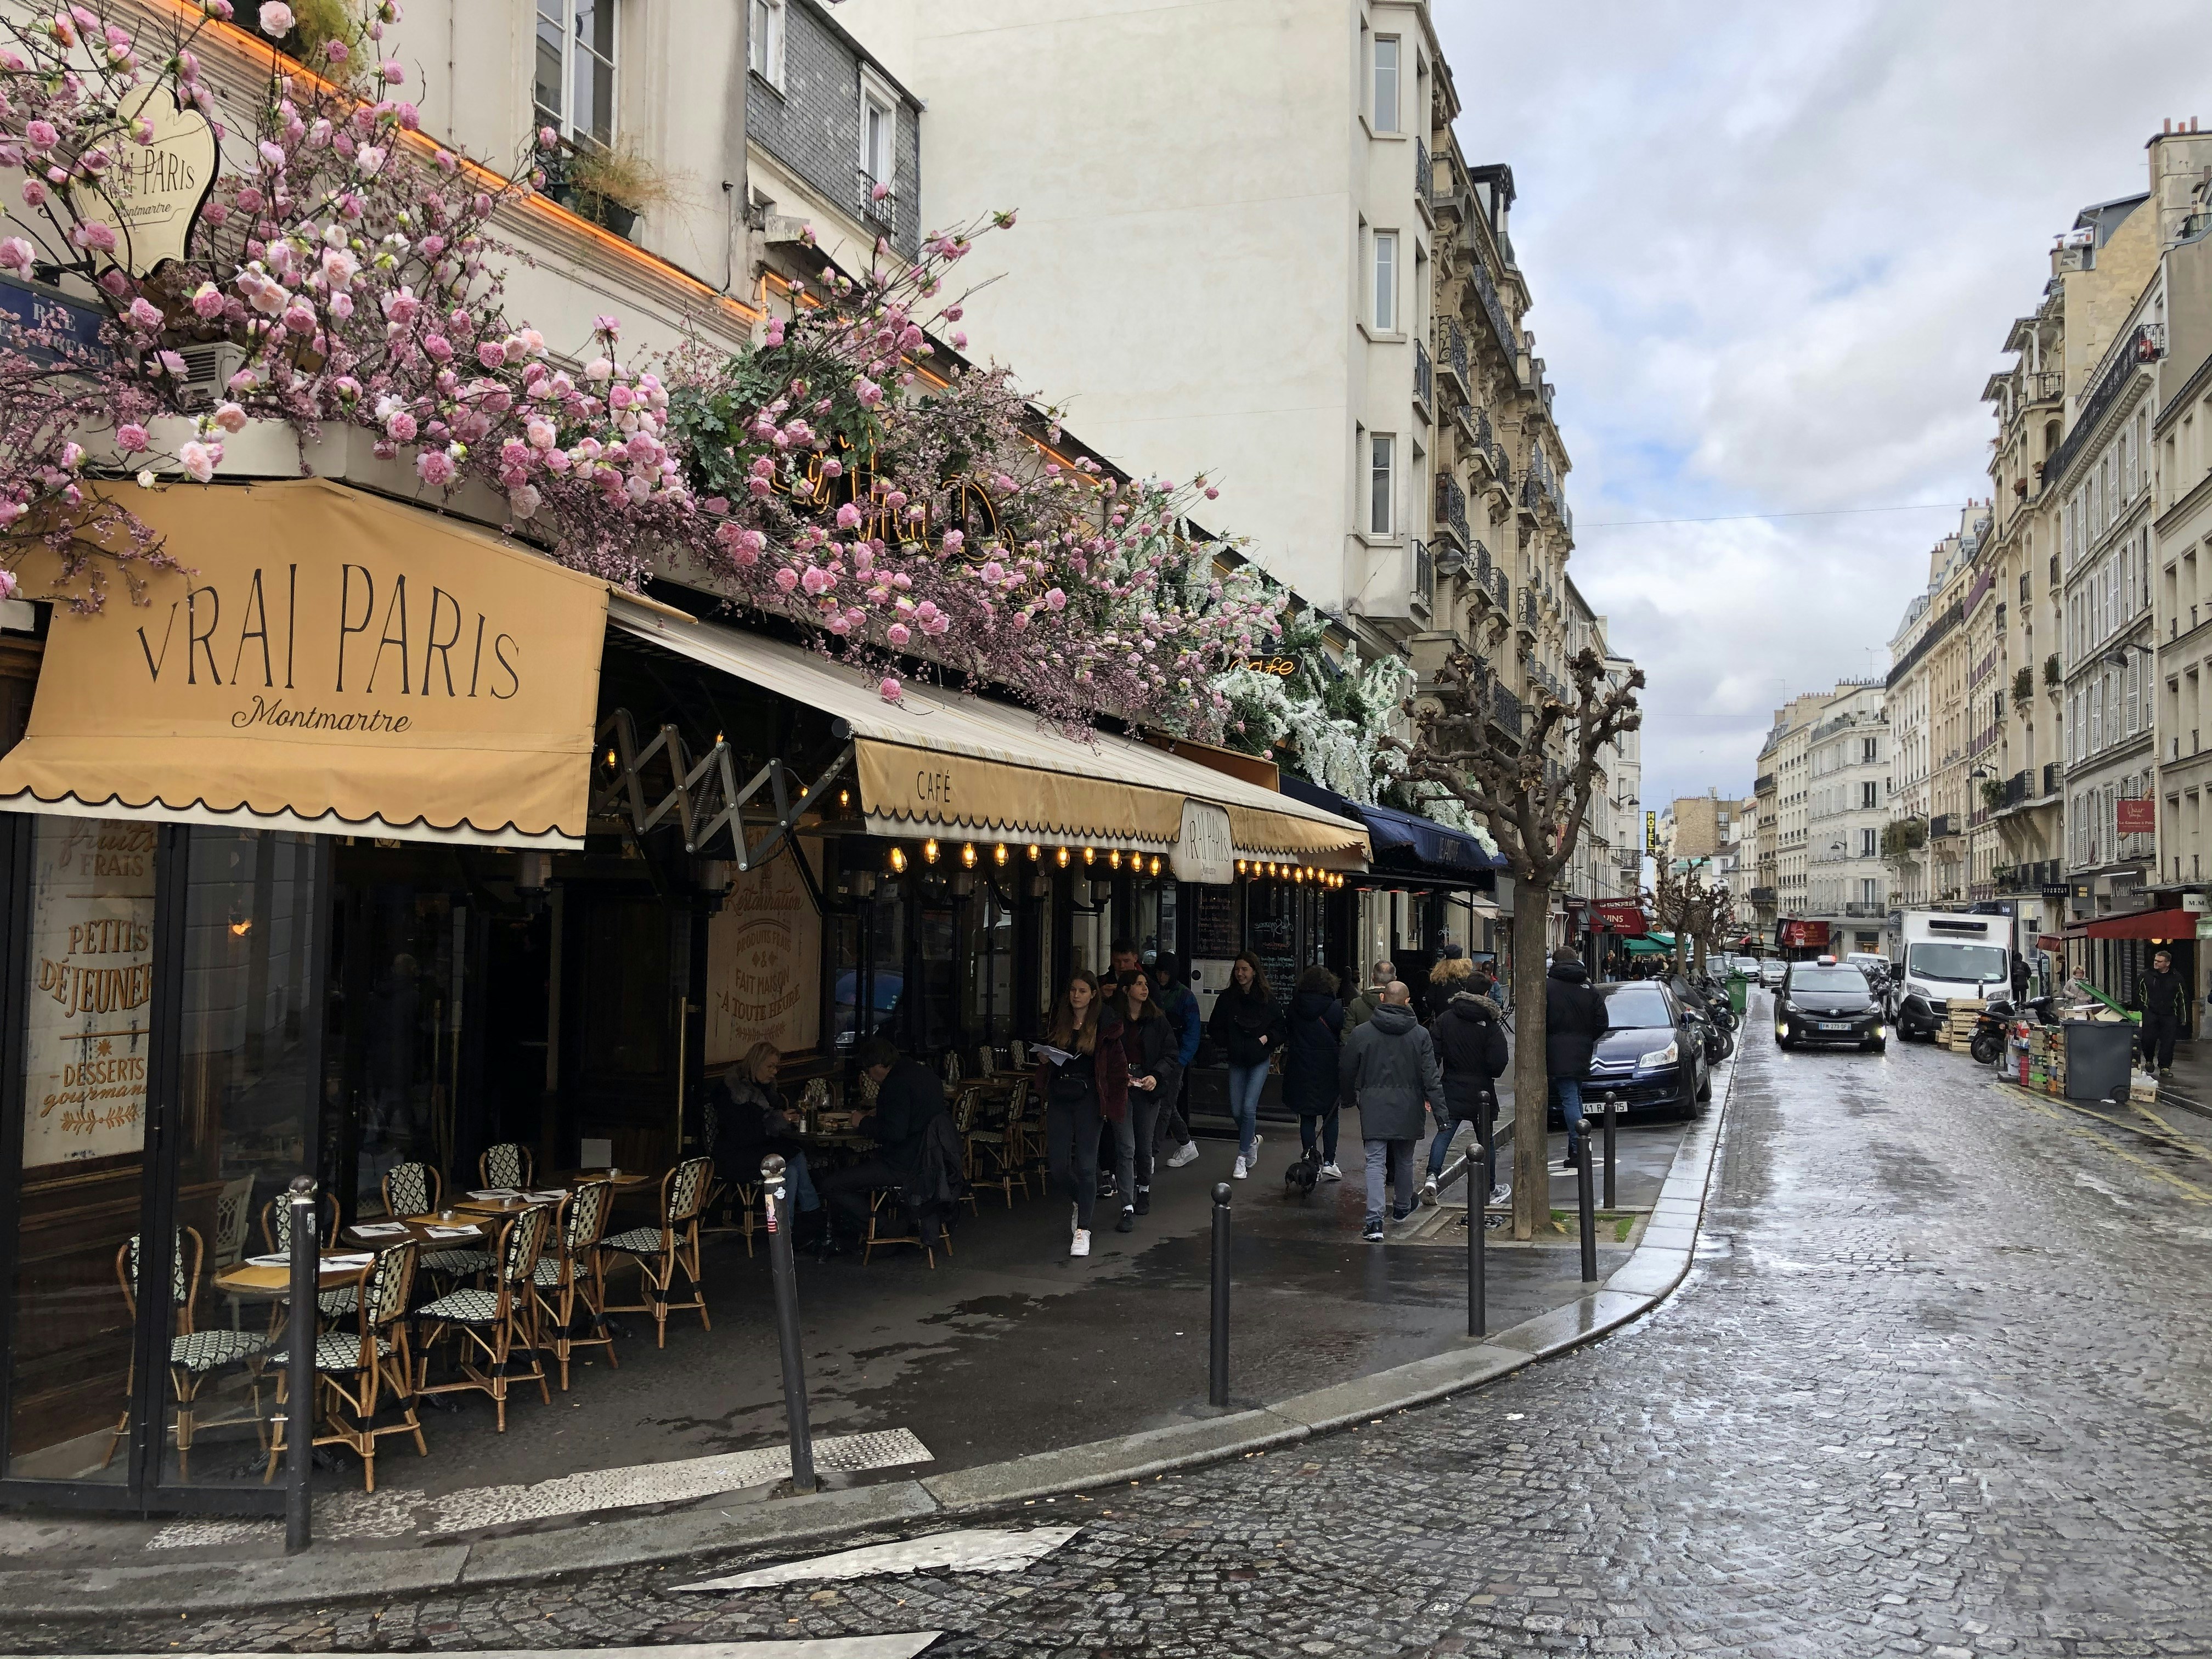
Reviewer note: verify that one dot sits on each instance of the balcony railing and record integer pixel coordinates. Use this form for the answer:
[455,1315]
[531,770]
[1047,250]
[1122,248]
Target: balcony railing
[1528,610]
[1424,576]
[1423,377]
[2146,345]
[1762,896]
[2050,777]
[1763,784]
[1451,352]
[1942,824]
[1451,511]
[1862,907]
[1494,309]
[1424,182]
[1505,709]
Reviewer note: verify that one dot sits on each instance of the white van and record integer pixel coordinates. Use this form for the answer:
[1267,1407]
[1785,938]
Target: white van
[1948,955]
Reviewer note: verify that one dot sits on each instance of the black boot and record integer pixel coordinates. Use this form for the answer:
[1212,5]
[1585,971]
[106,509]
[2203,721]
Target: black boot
[1143,1200]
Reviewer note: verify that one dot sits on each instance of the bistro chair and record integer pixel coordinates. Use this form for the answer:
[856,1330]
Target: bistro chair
[415,1189]
[659,1251]
[952,1066]
[887,1209]
[987,1060]
[1018,1053]
[194,1356]
[276,1237]
[497,1327]
[573,1273]
[1004,1143]
[357,1370]
[508,1165]
[234,1221]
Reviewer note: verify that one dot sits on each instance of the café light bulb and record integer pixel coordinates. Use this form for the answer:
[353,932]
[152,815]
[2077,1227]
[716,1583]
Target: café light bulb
[1089,853]
[1239,866]
[998,855]
[1035,850]
[1114,859]
[1061,856]
[968,855]
[1156,864]
[929,851]
[898,860]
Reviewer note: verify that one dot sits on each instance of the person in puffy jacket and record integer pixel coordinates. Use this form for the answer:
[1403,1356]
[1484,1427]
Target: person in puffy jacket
[1248,1026]
[1574,1019]
[1088,1087]
[1388,1069]
[1310,1056]
[1471,1048]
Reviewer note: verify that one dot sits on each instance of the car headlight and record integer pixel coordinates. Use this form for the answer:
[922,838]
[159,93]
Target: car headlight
[1878,1032]
[1666,1056]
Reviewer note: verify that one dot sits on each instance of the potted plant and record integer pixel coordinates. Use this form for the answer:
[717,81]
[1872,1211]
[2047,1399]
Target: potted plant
[613,186]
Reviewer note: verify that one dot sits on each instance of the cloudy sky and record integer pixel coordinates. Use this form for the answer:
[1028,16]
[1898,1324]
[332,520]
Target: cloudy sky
[1774,250]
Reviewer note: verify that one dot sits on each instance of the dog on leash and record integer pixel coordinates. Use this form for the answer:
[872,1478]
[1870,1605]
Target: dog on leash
[1303,1173]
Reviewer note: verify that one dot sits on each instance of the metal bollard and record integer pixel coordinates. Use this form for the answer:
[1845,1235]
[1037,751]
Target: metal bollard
[1612,1111]
[1589,1210]
[785,1274]
[1217,1369]
[1478,1201]
[300,1366]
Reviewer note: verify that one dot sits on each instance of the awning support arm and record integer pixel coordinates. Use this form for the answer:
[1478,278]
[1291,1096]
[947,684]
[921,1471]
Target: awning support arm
[696,788]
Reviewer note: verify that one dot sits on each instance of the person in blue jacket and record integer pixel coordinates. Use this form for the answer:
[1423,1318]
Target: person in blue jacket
[1180,1004]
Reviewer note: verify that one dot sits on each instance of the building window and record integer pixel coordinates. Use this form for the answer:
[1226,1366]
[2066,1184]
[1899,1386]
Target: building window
[1386,281]
[1382,492]
[1868,791]
[575,77]
[1868,754]
[878,136]
[1386,83]
[764,40]
[1867,841]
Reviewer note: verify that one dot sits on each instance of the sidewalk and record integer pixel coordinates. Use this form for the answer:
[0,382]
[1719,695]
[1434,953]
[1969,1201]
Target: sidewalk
[1008,1350]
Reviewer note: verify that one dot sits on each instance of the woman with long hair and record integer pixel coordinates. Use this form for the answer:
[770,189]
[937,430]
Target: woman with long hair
[753,1120]
[1309,1054]
[1246,1024]
[1085,1083]
[1148,1039]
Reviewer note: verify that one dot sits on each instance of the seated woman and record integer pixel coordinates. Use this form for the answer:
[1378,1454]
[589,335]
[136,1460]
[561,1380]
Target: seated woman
[755,1122]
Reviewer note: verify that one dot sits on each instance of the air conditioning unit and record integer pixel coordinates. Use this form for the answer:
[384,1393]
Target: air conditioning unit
[208,369]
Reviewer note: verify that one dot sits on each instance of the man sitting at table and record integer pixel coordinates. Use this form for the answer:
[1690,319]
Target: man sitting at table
[908,1096]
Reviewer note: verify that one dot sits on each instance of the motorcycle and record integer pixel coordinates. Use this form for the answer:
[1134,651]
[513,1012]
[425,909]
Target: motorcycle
[1996,1022]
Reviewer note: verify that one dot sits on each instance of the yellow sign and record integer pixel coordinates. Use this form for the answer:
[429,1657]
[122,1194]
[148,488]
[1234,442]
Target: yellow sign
[157,188]
[763,964]
[329,654]
[1651,832]
[1281,667]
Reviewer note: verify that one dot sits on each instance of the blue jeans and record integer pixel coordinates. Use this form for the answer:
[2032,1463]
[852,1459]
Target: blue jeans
[1440,1148]
[1568,1091]
[1245,1084]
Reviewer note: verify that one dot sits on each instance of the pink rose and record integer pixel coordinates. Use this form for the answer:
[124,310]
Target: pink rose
[434,467]
[848,516]
[16,254]
[439,348]
[1054,599]
[230,417]
[277,19]
[130,437]
[890,690]
[400,427]
[94,234]
[898,634]
[42,135]
[522,501]
[198,460]
[787,579]
[491,355]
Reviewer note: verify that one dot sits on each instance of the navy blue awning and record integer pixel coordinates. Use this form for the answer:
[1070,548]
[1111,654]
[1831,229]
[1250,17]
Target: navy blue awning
[1437,847]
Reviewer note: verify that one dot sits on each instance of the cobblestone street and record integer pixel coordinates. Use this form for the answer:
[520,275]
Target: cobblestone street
[1937,1385]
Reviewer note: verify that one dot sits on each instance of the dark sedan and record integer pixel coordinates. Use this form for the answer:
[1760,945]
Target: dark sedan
[1652,1056]
[1827,1003]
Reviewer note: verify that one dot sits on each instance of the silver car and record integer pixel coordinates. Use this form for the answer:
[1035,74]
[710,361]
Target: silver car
[1772,969]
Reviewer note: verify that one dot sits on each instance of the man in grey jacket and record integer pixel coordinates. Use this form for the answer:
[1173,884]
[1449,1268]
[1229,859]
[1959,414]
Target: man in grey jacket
[1388,1068]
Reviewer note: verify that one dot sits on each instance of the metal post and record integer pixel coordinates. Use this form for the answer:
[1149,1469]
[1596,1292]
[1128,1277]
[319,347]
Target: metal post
[1588,1209]
[300,1365]
[1217,1379]
[1611,1117]
[785,1276]
[1477,1199]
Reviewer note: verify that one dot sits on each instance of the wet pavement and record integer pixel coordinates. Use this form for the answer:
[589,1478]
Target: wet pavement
[1936,1386]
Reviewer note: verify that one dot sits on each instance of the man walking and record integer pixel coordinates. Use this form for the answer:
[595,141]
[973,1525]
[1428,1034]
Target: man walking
[1574,1019]
[1361,1009]
[1180,1004]
[2165,1001]
[1388,1069]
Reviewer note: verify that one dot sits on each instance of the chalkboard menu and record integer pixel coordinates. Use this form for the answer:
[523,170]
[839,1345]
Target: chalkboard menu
[1215,934]
[1275,912]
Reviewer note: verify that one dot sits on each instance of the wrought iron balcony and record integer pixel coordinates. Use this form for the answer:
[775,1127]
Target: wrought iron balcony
[1451,511]
[1451,353]
[1505,710]
[1424,379]
[2050,777]
[1425,182]
[1424,576]
[1508,341]
[1942,825]
[1762,896]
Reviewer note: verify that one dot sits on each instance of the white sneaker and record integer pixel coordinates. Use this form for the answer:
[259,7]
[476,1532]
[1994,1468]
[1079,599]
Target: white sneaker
[1500,1194]
[1257,1138]
[1189,1153]
[1428,1192]
[1241,1170]
[1080,1244]
[1330,1172]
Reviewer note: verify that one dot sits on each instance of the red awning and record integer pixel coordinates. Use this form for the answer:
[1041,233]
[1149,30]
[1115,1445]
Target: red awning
[2050,942]
[2143,924]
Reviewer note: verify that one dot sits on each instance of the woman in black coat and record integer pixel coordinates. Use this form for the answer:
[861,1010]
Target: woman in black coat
[1247,1022]
[1309,1054]
[1471,1050]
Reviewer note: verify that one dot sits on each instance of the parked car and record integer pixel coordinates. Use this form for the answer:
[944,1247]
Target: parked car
[1652,1056]
[1771,971]
[1828,1002]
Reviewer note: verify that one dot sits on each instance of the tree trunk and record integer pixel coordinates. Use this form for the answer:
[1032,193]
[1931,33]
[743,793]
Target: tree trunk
[1698,946]
[1532,1086]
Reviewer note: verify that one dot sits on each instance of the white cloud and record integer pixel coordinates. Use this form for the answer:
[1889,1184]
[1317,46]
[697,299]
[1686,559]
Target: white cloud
[1774,253]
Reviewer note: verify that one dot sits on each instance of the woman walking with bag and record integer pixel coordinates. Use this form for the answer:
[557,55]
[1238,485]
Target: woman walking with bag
[1247,1025]
[1309,1055]
[1084,1080]
[1149,1040]
[1470,1044]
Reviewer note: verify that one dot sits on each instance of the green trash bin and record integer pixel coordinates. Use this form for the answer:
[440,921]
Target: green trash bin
[1739,991]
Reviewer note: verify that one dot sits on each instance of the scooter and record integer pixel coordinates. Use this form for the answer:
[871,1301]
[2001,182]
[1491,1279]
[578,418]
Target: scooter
[1995,1023]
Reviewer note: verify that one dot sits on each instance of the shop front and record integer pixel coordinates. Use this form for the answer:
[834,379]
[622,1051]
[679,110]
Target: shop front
[372,842]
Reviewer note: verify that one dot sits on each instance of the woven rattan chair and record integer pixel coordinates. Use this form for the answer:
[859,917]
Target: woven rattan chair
[508,1165]
[998,1152]
[572,1274]
[357,1371]
[194,1355]
[659,1251]
[415,1189]
[276,1238]
[496,1328]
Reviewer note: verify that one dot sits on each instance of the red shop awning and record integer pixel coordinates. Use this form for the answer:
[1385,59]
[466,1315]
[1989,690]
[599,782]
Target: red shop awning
[2143,924]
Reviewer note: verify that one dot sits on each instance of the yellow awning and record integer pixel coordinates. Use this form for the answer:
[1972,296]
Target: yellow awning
[938,763]
[331,660]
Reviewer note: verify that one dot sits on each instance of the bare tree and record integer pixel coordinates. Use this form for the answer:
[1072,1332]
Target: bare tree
[1465,743]
[1699,916]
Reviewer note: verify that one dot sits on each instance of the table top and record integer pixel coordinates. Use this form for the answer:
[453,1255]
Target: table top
[466,1204]
[246,1280]
[624,1179]
[418,1231]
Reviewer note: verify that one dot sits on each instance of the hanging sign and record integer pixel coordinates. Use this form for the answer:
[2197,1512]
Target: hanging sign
[1622,916]
[91,990]
[1204,851]
[156,188]
[763,964]
[2137,816]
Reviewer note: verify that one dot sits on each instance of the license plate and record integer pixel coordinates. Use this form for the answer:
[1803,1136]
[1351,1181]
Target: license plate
[1835,1025]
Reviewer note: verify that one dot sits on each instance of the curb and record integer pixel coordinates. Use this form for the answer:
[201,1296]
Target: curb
[1659,1263]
